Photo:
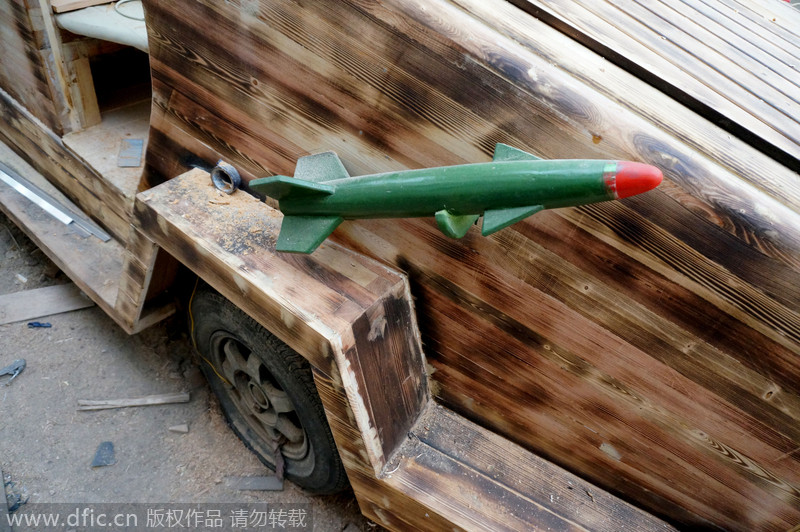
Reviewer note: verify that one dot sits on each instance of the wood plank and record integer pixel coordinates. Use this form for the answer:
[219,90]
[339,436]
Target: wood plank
[147,400]
[680,57]
[39,302]
[143,275]
[80,84]
[534,490]
[93,265]
[58,75]
[63,6]
[25,74]
[46,152]
[529,330]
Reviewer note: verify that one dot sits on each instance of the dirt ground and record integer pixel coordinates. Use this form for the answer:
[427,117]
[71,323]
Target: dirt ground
[47,445]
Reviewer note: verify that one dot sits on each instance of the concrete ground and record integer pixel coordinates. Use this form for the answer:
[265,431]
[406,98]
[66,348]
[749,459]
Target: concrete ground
[47,445]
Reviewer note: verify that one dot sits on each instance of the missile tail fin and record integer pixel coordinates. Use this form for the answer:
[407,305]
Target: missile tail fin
[281,186]
[455,226]
[496,219]
[320,167]
[504,152]
[304,234]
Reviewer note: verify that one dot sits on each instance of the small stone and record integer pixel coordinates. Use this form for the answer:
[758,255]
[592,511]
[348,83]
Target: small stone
[181,429]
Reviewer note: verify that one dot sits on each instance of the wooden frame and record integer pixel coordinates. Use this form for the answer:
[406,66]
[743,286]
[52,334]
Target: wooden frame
[410,462]
[650,345]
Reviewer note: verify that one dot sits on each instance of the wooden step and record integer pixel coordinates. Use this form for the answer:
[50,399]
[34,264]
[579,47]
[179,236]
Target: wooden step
[481,481]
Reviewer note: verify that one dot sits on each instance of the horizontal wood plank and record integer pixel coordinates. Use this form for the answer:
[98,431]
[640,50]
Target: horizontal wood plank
[39,302]
[469,465]
[64,6]
[46,152]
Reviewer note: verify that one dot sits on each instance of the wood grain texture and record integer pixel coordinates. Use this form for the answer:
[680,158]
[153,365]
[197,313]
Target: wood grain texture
[708,55]
[349,300]
[24,72]
[93,265]
[47,301]
[650,345]
[353,319]
[142,276]
[63,6]
[46,152]
[443,448]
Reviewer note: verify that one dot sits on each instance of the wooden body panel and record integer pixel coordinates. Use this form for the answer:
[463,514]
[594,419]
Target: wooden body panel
[26,70]
[46,152]
[411,463]
[728,60]
[649,345]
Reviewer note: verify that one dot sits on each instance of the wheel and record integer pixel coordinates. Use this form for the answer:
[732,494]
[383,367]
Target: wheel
[266,391]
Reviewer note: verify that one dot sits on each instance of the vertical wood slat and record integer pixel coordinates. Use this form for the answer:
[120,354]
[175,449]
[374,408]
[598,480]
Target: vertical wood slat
[24,72]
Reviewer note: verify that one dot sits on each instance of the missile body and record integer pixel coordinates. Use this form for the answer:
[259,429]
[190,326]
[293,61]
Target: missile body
[512,187]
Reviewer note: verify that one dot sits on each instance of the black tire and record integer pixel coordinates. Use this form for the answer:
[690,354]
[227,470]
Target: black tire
[273,392]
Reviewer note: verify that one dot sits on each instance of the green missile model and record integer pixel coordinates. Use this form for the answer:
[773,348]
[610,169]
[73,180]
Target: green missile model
[512,187]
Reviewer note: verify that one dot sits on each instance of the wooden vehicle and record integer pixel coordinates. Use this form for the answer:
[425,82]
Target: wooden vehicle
[615,366]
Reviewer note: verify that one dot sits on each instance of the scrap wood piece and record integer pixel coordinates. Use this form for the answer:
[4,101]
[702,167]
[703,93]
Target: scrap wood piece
[30,304]
[147,400]
[62,6]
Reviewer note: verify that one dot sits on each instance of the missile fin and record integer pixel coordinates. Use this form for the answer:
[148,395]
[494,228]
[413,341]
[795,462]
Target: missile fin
[455,226]
[496,219]
[304,234]
[320,167]
[281,186]
[504,152]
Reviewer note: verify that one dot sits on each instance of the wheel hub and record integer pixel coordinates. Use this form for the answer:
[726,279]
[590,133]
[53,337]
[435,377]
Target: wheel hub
[266,407]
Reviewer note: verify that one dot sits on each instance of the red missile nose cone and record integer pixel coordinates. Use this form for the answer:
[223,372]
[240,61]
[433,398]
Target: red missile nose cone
[635,178]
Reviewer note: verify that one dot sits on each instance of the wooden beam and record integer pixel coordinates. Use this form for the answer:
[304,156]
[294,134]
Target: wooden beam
[63,6]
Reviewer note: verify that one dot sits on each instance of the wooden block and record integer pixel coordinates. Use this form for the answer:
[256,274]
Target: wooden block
[39,302]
